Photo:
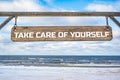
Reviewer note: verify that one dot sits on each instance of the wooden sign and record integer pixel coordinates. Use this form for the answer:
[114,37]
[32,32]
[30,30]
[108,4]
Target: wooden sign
[61,33]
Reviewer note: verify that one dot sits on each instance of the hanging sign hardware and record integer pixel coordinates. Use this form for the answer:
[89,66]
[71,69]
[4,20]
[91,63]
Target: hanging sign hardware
[15,25]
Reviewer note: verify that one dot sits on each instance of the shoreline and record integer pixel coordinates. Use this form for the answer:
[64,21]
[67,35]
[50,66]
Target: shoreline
[74,66]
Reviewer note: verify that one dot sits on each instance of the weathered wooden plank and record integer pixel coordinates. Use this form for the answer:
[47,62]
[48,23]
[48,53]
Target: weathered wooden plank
[61,33]
[59,13]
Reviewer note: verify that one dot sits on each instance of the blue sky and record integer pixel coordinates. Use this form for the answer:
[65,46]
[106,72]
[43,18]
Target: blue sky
[7,47]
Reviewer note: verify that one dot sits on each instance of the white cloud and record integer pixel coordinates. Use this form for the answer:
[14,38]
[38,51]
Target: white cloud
[1,38]
[117,5]
[20,5]
[73,48]
[100,8]
[32,5]
[116,33]
[29,6]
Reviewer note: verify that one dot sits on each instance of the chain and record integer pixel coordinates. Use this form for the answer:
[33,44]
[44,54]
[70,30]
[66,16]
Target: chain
[107,23]
[15,25]
[15,21]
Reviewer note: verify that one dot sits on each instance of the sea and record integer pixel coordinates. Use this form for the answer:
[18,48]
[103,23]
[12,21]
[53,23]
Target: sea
[53,60]
[52,67]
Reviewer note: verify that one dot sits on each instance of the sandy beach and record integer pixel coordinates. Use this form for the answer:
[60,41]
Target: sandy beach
[58,73]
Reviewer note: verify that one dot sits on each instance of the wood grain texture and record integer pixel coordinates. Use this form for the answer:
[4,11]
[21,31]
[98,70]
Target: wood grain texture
[60,14]
[58,29]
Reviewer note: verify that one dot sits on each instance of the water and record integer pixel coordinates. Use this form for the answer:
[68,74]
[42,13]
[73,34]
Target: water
[19,67]
[37,60]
